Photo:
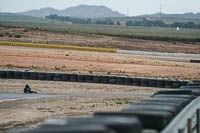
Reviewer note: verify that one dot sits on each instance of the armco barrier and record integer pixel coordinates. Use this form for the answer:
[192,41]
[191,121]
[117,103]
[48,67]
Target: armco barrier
[118,80]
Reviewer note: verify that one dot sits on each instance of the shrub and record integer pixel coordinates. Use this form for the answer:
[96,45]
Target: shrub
[17,36]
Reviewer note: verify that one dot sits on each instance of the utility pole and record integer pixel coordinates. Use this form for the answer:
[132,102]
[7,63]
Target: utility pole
[160,11]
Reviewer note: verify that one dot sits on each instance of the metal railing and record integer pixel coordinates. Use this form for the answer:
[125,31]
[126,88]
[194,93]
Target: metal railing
[187,121]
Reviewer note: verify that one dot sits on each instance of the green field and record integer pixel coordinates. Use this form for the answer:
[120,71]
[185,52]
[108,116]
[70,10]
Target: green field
[11,17]
[167,20]
[148,33]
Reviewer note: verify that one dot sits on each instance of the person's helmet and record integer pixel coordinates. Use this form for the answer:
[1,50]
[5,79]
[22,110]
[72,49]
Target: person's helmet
[27,86]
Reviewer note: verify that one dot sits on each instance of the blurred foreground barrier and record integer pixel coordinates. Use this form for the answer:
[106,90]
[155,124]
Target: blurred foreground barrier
[167,111]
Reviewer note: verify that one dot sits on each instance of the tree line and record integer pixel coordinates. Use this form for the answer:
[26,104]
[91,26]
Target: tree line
[144,23]
[159,23]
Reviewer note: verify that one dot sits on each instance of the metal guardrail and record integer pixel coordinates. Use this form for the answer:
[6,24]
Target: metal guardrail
[187,121]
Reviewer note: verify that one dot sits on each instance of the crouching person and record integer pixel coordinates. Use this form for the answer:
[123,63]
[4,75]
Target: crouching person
[27,90]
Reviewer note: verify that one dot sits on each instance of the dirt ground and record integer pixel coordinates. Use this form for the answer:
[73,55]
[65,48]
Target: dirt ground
[31,113]
[96,41]
[82,98]
[97,63]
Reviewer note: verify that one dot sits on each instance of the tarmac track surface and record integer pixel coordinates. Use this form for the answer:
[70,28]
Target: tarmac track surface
[19,96]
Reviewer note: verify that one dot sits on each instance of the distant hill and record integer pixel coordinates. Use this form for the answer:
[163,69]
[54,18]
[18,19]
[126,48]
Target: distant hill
[12,17]
[81,11]
[189,15]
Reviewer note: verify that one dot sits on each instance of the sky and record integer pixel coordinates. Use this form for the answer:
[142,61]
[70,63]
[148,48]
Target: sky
[128,7]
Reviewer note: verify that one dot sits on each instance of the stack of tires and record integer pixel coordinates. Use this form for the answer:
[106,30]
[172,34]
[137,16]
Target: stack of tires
[101,79]
[147,116]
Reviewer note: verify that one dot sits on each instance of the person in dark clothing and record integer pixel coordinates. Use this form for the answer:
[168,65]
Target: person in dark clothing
[27,89]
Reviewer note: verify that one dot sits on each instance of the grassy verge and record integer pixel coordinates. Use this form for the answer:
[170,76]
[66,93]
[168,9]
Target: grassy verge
[147,33]
[53,46]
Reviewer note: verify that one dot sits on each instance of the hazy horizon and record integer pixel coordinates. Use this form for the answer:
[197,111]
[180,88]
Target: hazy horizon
[127,7]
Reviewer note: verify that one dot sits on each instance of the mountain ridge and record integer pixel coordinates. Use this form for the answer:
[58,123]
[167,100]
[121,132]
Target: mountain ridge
[81,11]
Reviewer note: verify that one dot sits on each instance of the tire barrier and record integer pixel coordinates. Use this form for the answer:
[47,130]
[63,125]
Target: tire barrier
[3,74]
[57,77]
[121,80]
[194,61]
[49,76]
[9,74]
[17,75]
[73,77]
[26,75]
[112,80]
[81,78]
[65,77]
[155,114]
[34,75]
[41,76]
[102,79]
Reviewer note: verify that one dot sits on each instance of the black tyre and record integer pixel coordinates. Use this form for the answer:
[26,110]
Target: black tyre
[104,79]
[34,75]
[152,82]
[161,108]
[41,76]
[73,77]
[3,74]
[160,83]
[26,75]
[160,119]
[168,84]
[81,78]
[17,74]
[128,81]
[176,84]
[65,77]
[136,81]
[10,74]
[118,124]
[57,77]
[89,78]
[84,128]
[49,76]
[121,80]
[96,79]
[144,82]
[112,80]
